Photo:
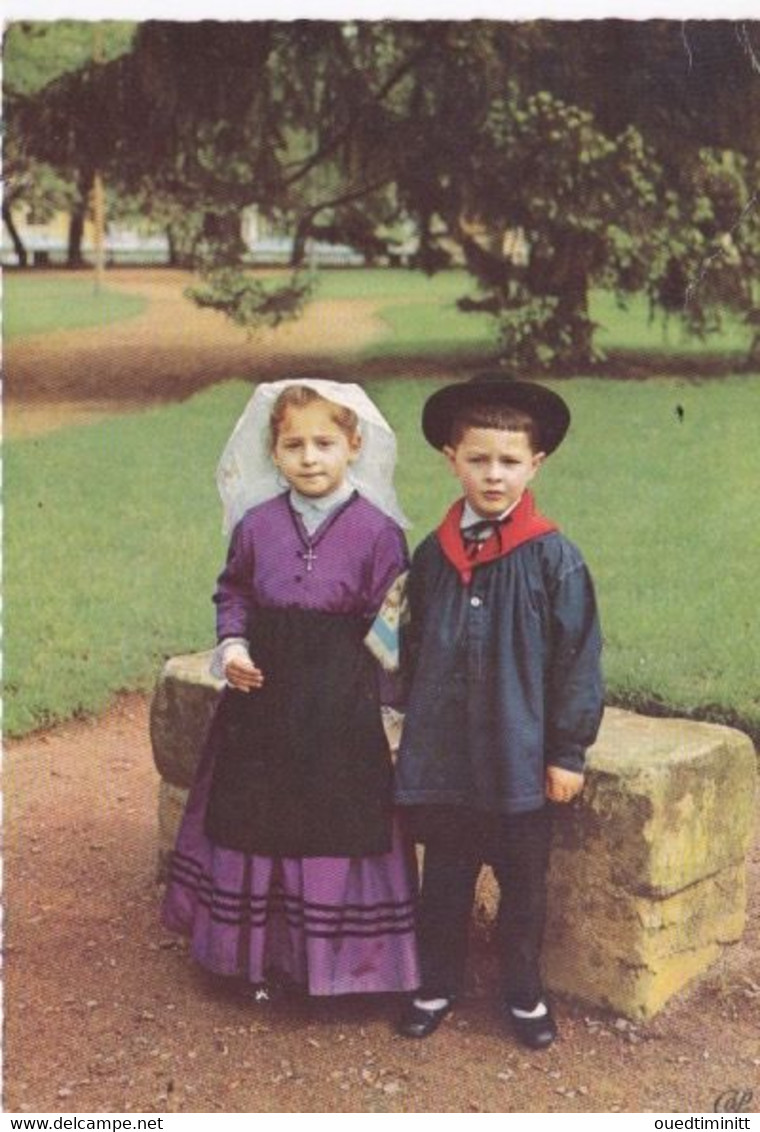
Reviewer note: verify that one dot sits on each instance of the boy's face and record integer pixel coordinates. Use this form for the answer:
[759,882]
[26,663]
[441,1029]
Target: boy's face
[494,466]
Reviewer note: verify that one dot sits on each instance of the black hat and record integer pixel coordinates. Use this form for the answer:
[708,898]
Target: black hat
[547,409]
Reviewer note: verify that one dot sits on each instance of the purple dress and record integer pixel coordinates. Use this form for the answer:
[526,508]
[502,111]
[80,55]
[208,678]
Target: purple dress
[335,924]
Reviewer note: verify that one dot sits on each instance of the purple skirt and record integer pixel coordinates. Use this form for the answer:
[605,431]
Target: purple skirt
[334,925]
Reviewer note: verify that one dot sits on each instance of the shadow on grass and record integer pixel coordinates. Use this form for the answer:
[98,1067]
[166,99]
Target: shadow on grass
[618,365]
[648,703]
[641,364]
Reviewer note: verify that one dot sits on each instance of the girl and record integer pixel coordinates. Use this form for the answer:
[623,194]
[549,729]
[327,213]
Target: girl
[288,861]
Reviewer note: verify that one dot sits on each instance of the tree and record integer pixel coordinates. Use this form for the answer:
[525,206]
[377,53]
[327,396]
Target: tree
[598,156]
[35,55]
[612,148]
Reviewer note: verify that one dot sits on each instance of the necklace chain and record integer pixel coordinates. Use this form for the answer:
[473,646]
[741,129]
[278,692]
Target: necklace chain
[308,554]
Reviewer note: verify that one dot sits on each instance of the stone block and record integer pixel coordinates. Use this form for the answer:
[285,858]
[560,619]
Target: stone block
[171,807]
[183,704]
[647,875]
[647,871]
[180,713]
[678,795]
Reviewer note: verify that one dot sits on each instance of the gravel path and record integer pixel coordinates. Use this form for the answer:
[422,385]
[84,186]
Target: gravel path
[168,352]
[106,1013]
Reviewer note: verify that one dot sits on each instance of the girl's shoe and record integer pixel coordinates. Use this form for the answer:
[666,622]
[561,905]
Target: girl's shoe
[422,1021]
[260,993]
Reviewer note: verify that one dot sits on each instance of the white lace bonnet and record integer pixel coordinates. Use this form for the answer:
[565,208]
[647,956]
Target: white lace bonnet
[246,475]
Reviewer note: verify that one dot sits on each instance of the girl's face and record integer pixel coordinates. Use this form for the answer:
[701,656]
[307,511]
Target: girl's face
[311,451]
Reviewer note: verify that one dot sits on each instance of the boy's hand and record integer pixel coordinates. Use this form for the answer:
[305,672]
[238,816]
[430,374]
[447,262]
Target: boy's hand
[562,785]
[243,674]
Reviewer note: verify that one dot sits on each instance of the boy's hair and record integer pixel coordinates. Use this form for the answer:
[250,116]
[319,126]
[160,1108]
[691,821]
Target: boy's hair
[298,397]
[495,416]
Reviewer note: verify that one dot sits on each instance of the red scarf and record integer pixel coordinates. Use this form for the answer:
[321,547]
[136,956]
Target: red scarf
[521,525]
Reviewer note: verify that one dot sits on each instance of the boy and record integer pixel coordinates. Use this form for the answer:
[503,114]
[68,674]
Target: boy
[505,693]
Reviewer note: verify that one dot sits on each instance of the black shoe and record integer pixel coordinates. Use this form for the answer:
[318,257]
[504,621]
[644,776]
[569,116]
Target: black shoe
[535,1033]
[419,1022]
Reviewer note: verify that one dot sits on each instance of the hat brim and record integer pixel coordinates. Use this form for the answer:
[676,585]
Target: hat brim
[547,408]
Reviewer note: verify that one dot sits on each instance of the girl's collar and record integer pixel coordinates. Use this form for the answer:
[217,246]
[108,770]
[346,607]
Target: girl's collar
[305,504]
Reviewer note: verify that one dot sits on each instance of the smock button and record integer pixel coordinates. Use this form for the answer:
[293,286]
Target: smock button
[476,601]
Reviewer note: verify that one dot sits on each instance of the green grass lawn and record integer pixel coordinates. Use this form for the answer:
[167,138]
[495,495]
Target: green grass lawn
[631,329]
[437,329]
[35,304]
[420,313]
[423,320]
[113,540]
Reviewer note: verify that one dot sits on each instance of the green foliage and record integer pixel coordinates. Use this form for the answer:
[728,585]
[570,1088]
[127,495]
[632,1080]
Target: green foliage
[423,320]
[250,302]
[35,184]
[620,166]
[37,52]
[546,164]
[714,261]
[535,338]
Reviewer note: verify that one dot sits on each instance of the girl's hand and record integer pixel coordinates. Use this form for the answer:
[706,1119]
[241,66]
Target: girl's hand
[562,785]
[242,674]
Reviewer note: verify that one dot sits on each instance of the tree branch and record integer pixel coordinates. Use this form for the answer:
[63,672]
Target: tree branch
[345,198]
[303,224]
[332,144]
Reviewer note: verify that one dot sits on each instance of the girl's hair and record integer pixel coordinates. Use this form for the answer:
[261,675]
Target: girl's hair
[297,397]
[495,416]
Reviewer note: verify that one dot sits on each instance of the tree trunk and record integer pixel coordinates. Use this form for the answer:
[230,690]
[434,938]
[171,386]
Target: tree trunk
[18,244]
[223,243]
[77,219]
[564,277]
[303,230]
[76,232]
[173,258]
[572,316]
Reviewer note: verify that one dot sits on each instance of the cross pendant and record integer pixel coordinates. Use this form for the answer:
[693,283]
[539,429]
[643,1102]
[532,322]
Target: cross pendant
[309,556]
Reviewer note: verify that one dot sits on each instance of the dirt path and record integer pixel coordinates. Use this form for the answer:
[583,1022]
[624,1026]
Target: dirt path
[168,352]
[105,1012]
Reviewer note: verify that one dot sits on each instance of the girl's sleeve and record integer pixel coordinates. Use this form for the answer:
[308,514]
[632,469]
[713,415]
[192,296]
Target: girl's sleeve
[234,588]
[575,699]
[389,559]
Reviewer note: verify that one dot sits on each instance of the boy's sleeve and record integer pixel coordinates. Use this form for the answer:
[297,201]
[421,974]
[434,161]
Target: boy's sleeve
[412,626]
[234,594]
[575,699]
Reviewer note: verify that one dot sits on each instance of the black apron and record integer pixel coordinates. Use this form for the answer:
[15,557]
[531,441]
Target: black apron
[302,766]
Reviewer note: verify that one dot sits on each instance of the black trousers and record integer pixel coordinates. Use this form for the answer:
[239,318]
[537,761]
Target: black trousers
[456,846]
